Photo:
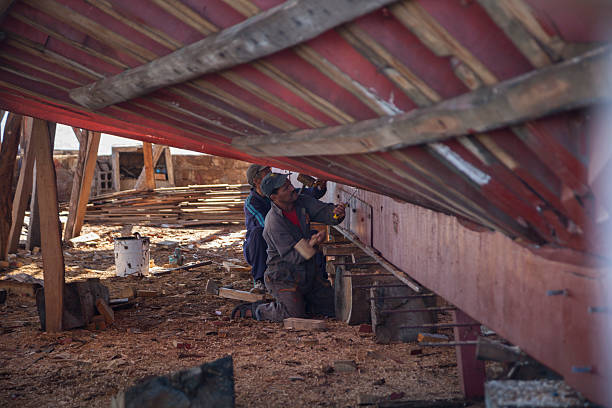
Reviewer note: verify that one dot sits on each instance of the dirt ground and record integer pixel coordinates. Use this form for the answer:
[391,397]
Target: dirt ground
[273,367]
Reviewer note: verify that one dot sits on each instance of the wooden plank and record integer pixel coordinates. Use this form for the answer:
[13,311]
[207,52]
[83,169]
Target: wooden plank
[169,165]
[77,181]
[568,85]
[8,154]
[147,153]
[500,11]
[115,169]
[24,186]
[297,323]
[105,310]
[240,295]
[398,273]
[93,142]
[157,151]
[53,258]
[278,28]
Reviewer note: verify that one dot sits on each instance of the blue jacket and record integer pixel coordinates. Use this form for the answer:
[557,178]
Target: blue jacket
[255,209]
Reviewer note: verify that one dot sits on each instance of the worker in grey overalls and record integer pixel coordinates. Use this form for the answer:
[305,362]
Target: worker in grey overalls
[292,275]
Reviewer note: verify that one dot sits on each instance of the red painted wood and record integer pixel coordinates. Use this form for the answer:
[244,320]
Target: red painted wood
[504,286]
[40,75]
[315,81]
[484,39]
[559,19]
[336,50]
[43,64]
[179,100]
[253,100]
[436,72]
[116,26]
[73,34]
[217,12]
[275,88]
[221,104]
[472,373]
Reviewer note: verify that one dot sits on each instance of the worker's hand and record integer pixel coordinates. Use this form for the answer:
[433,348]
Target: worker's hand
[321,184]
[317,238]
[339,211]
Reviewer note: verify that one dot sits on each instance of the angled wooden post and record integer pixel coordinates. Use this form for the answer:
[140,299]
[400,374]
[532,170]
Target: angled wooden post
[53,257]
[157,152]
[82,182]
[24,185]
[147,152]
[8,154]
[169,165]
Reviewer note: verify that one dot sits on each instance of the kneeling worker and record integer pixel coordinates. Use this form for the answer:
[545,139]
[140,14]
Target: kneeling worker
[292,275]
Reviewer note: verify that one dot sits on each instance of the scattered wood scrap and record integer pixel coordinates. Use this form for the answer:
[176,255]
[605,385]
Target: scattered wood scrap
[213,289]
[177,206]
[304,324]
[182,267]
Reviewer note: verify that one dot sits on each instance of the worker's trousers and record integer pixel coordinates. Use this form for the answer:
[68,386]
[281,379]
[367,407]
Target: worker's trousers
[299,296]
[255,253]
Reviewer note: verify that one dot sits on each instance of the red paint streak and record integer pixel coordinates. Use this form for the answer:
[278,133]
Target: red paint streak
[435,71]
[472,27]
[336,50]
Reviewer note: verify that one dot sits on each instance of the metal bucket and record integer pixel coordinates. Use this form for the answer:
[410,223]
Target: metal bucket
[132,255]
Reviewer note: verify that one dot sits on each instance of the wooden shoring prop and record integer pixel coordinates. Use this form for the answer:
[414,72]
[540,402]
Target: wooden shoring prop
[8,155]
[81,184]
[24,185]
[148,170]
[572,84]
[53,257]
[283,26]
[471,371]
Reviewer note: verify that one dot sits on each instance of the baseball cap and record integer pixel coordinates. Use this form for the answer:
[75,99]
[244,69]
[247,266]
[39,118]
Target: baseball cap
[271,182]
[252,172]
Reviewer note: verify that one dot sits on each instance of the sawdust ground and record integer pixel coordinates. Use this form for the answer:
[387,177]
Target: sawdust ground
[273,367]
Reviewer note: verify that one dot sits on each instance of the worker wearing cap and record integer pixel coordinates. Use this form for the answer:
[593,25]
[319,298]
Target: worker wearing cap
[292,275]
[256,206]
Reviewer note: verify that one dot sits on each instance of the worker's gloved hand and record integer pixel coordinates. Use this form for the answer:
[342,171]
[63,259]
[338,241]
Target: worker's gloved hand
[339,211]
[317,238]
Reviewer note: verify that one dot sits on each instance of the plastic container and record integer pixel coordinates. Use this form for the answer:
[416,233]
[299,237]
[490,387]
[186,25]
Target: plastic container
[132,255]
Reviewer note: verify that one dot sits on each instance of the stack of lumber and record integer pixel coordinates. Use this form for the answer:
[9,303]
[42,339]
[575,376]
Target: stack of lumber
[179,206]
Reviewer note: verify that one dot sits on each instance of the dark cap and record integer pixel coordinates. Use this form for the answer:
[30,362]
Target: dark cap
[271,182]
[252,172]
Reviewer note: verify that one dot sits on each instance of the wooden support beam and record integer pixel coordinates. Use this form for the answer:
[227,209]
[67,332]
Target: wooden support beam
[147,153]
[8,154]
[82,182]
[34,239]
[471,371]
[286,25]
[169,165]
[53,258]
[143,182]
[572,84]
[24,185]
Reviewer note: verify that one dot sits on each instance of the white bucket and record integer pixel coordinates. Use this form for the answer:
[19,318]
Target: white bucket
[132,255]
